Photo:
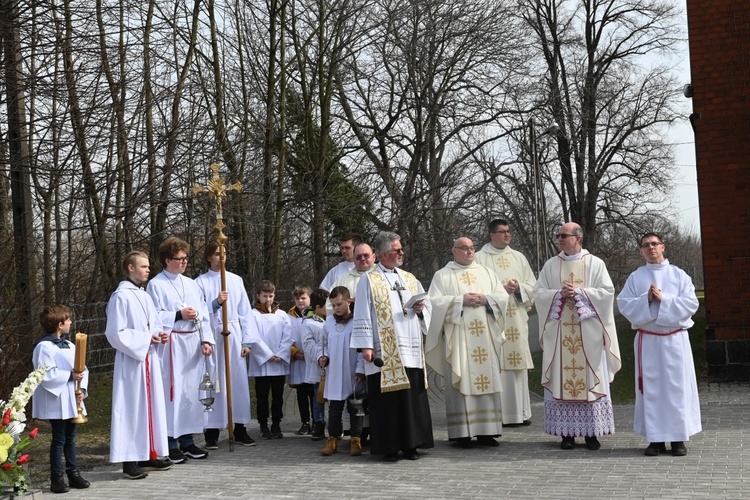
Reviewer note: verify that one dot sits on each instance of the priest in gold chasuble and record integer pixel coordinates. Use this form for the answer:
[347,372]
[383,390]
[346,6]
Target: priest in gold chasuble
[464,345]
[574,296]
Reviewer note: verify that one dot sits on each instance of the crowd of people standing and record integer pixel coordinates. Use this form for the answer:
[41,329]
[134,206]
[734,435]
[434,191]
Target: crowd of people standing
[361,342]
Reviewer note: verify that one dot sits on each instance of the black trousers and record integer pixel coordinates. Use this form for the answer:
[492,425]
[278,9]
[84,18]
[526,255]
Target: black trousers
[275,385]
[305,396]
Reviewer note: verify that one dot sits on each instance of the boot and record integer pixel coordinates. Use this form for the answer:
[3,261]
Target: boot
[355,447]
[330,447]
[75,480]
[319,431]
[57,484]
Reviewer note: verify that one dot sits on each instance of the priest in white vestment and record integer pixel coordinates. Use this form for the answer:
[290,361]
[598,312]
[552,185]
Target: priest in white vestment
[364,261]
[389,323]
[239,324]
[659,300]
[464,345]
[574,296]
[514,272]
[138,433]
[347,244]
[184,315]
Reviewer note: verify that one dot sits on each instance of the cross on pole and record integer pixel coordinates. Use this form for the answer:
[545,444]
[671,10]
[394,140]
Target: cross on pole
[217,189]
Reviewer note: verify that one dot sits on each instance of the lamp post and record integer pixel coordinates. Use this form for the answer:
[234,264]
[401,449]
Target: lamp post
[540,205]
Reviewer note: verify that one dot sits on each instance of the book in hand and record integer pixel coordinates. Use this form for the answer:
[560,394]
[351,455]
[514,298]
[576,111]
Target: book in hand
[419,297]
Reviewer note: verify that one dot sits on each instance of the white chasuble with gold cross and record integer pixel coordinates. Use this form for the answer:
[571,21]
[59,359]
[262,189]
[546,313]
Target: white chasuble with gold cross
[466,339]
[578,334]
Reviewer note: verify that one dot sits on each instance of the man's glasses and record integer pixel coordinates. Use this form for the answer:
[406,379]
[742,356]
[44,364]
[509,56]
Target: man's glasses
[397,250]
[562,236]
[651,244]
[466,248]
[363,256]
[181,259]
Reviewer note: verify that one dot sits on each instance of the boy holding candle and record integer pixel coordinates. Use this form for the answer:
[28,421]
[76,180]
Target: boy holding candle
[56,399]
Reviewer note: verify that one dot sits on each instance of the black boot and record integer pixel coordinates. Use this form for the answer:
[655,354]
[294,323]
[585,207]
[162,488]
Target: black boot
[57,484]
[75,480]
[212,439]
[319,431]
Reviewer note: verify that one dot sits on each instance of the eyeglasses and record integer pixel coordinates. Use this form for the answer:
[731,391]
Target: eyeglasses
[181,259]
[651,244]
[466,248]
[397,250]
[563,236]
[501,231]
[363,256]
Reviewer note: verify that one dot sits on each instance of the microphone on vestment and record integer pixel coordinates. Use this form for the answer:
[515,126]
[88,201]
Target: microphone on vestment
[378,362]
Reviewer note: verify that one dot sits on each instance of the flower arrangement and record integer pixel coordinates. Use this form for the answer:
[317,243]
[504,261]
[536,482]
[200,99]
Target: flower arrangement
[12,445]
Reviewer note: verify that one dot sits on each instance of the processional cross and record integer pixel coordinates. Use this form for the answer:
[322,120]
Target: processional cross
[217,189]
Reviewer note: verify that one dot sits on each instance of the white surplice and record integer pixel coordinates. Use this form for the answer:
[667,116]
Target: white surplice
[297,367]
[183,363]
[139,416]
[344,361]
[311,330]
[666,393]
[349,280]
[510,264]
[55,397]
[335,273]
[240,322]
[274,339]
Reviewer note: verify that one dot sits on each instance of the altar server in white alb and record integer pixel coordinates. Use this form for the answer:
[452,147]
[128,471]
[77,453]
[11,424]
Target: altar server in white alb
[514,272]
[464,345]
[347,244]
[659,300]
[55,399]
[240,321]
[138,435]
[574,296]
[184,315]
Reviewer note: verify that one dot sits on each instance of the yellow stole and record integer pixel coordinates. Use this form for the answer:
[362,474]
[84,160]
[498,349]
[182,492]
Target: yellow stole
[573,362]
[392,373]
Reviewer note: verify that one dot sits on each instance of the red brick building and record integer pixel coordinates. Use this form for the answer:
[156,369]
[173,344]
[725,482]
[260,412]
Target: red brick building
[719,36]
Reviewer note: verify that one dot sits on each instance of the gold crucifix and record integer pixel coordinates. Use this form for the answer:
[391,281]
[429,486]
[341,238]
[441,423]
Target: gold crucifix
[217,189]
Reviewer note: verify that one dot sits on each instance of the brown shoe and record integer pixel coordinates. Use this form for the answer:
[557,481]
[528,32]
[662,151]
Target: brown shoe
[355,447]
[330,447]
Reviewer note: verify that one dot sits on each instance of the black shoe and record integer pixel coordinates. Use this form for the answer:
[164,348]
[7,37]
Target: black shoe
[487,441]
[305,429]
[57,484]
[156,464]
[276,431]
[568,443]
[526,422]
[319,431]
[678,449]
[76,481]
[212,438]
[212,444]
[592,443]
[130,470]
[241,436]
[176,456]
[464,442]
[192,451]
[654,449]
[390,457]
[265,433]
[411,454]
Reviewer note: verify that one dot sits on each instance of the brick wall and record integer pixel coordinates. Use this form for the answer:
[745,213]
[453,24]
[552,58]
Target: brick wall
[719,37]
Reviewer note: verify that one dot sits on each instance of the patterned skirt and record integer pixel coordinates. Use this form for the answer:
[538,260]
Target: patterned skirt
[578,419]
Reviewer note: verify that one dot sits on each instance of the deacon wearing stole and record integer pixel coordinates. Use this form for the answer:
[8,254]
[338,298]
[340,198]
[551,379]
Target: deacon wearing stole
[388,328]
[464,345]
[514,272]
[574,297]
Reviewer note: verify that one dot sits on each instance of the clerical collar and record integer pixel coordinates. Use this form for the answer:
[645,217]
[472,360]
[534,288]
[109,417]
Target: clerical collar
[661,265]
[59,342]
[342,319]
[169,275]
[575,256]
[386,270]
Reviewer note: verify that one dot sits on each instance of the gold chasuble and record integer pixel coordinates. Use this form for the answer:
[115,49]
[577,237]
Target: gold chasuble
[573,364]
[393,376]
